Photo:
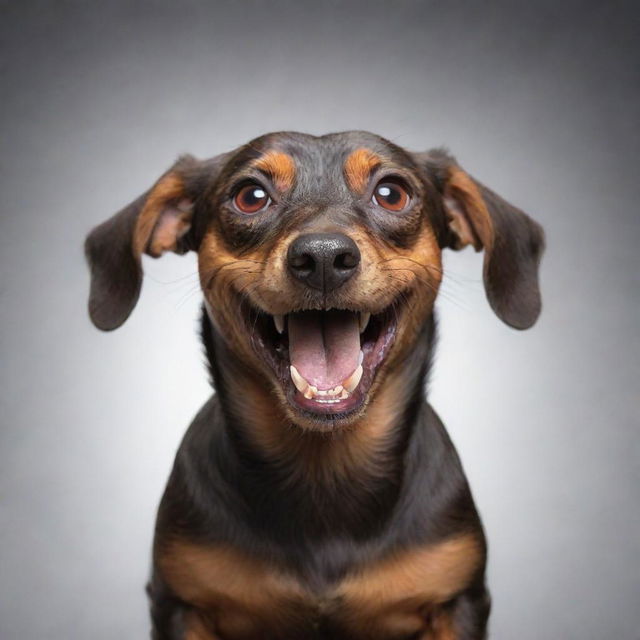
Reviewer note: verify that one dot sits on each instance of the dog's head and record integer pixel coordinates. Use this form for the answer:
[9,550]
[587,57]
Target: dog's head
[319,258]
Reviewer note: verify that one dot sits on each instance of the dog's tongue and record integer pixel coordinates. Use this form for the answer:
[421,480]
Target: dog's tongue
[324,346]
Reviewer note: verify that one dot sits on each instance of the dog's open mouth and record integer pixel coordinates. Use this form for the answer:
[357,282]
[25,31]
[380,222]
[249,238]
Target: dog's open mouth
[326,360]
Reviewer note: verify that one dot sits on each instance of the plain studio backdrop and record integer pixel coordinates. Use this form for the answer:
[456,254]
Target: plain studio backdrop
[538,101]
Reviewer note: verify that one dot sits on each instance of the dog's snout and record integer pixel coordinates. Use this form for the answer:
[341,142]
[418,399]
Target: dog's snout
[323,261]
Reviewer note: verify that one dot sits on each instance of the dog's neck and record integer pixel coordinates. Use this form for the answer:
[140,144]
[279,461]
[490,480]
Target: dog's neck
[359,467]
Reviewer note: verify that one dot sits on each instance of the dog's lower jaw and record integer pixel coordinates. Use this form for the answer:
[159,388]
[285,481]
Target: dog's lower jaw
[331,448]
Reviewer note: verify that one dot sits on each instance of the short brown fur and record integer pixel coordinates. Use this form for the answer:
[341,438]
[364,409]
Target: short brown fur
[168,190]
[241,596]
[471,222]
[280,167]
[358,167]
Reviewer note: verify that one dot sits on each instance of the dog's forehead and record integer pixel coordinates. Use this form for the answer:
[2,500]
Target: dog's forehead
[329,147]
[320,160]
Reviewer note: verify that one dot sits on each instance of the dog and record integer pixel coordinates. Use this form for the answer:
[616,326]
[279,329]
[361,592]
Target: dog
[317,494]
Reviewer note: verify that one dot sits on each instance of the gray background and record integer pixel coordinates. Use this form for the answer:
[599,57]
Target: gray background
[538,101]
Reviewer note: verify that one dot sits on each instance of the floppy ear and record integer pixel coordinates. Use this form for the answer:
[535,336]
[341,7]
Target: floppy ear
[160,220]
[512,242]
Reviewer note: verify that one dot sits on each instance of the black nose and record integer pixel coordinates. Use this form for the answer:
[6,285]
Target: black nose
[323,261]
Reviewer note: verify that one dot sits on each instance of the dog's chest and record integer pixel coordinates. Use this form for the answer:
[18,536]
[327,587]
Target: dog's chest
[234,597]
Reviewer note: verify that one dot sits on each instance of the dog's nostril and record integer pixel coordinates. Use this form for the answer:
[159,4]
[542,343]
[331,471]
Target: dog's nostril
[303,262]
[346,261]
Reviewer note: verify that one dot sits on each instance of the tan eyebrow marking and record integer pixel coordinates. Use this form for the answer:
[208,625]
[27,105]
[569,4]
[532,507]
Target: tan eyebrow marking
[358,167]
[279,166]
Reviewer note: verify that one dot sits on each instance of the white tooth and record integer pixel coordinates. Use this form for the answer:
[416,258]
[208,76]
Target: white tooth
[353,380]
[336,390]
[360,357]
[344,395]
[279,322]
[300,383]
[364,320]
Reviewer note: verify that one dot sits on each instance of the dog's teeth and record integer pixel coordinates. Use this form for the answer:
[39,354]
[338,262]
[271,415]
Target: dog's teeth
[301,384]
[364,320]
[353,380]
[360,357]
[279,322]
[311,392]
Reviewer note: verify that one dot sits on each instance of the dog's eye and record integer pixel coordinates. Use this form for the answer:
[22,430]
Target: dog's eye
[251,198]
[391,195]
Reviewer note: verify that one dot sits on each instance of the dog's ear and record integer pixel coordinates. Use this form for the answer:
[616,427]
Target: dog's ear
[512,242]
[159,220]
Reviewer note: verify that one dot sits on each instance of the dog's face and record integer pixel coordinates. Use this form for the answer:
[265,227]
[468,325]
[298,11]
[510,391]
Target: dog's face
[319,258]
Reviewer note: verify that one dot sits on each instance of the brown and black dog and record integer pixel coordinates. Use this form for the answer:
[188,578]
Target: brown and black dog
[317,494]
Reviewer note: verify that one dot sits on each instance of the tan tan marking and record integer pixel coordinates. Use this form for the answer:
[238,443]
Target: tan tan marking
[223,276]
[238,594]
[358,167]
[279,166]
[174,221]
[234,595]
[392,591]
[168,192]
[468,215]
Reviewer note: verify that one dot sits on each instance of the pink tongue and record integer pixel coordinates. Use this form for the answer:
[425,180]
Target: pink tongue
[324,346]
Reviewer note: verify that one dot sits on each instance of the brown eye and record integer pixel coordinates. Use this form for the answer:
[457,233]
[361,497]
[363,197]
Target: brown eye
[390,195]
[251,199]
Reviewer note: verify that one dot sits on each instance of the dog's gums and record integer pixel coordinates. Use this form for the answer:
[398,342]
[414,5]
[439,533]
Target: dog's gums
[325,360]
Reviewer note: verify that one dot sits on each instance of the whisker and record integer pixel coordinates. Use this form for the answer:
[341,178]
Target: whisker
[169,282]
[453,275]
[449,296]
[186,297]
[237,264]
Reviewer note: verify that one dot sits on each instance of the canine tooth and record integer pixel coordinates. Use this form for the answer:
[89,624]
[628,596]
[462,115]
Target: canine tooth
[279,322]
[360,356]
[301,384]
[353,380]
[365,316]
